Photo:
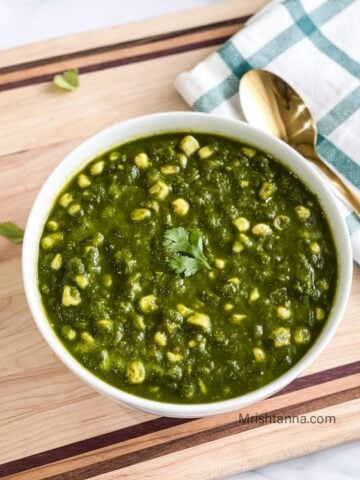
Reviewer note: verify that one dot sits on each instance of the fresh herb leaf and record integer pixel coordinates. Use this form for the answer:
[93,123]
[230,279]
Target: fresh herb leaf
[68,80]
[183,264]
[176,240]
[187,251]
[12,232]
[196,238]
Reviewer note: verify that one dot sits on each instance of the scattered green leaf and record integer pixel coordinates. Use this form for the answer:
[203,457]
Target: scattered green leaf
[186,251]
[68,80]
[12,232]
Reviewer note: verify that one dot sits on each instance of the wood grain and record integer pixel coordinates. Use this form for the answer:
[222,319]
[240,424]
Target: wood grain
[227,10]
[244,451]
[124,54]
[154,437]
[51,424]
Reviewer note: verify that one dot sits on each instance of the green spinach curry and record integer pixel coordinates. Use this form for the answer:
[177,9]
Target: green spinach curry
[187,268]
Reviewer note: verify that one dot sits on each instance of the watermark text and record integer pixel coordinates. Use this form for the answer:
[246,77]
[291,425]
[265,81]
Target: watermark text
[266,419]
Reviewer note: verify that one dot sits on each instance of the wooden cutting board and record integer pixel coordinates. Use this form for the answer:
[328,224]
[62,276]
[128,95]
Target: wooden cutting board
[51,424]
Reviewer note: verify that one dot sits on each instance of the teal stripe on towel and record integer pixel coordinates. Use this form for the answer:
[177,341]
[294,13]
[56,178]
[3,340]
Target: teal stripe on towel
[337,158]
[231,56]
[234,60]
[223,91]
[341,112]
[309,28]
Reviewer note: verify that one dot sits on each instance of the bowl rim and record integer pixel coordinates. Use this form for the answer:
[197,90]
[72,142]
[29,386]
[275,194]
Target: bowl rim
[300,167]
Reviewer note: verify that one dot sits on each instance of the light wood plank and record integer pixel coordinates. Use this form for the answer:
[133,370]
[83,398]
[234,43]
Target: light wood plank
[249,450]
[182,431]
[104,98]
[131,31]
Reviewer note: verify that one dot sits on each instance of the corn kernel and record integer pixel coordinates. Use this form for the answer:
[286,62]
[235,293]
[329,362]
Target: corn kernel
[97,168]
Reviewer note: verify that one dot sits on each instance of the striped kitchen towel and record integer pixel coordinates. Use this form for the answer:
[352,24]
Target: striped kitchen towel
[314,46]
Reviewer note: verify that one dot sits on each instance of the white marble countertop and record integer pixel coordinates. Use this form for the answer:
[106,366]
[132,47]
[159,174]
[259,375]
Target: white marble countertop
[27,21]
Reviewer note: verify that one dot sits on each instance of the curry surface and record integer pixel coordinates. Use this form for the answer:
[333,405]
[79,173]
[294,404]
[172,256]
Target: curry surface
[120,310]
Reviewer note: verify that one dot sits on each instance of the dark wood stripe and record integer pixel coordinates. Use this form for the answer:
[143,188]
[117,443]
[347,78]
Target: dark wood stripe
[90,444]
[123,45]
[153,426]
[117,63]
[202,437]
[321,377]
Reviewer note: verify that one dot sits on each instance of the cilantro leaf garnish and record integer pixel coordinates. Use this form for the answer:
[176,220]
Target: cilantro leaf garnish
[68,80]
[186,251]
[12,232]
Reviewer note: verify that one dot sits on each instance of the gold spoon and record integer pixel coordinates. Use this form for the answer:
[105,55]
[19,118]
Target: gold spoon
[269,103]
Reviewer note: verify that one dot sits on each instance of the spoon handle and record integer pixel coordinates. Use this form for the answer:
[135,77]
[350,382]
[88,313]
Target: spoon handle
[349,194]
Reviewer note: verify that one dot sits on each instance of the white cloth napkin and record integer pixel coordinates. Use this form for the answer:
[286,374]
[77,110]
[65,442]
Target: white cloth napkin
[314,46]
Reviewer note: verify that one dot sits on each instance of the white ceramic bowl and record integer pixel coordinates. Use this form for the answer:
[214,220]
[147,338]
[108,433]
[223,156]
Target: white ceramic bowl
[167,122]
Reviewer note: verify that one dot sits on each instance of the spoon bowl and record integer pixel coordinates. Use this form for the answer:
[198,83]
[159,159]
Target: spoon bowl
[272,105]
